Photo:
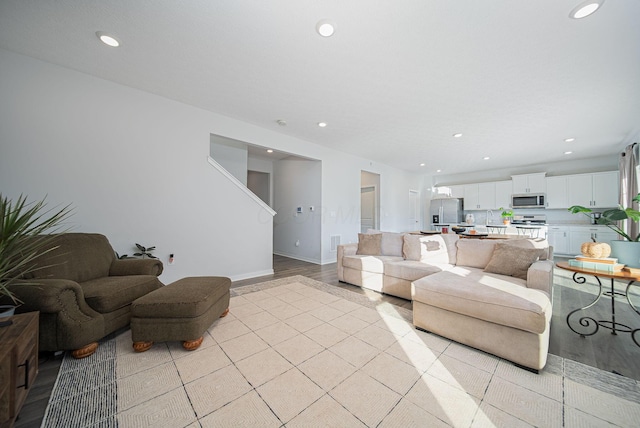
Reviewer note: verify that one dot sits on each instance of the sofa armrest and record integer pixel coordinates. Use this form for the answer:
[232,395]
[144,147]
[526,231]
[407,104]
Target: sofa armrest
[540,276]
[52,296]
[345,250]
[124,267]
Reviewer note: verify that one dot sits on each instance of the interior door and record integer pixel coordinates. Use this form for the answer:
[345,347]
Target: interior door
[368,214]
[414,211]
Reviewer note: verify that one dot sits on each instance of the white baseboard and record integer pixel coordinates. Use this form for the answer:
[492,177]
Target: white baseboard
[251,275]
[304,259]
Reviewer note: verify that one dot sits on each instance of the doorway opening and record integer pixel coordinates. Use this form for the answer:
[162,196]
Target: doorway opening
[369,201]
[260,184]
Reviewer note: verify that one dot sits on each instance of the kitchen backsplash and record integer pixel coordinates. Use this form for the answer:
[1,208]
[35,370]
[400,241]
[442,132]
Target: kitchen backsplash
[553,216]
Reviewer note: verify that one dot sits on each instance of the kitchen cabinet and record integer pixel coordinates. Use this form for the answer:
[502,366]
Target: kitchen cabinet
[557,192]
[471,197]
[558,237]
[503,194]
[528,183]
[581,234]
[480,196]
[596,190]
[606,187]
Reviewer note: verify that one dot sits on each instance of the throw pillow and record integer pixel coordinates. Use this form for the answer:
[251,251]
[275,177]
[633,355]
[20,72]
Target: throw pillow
[392,243]
[512,260]
[531,243]
[431,249]
[475,252]
[411,247]
[369,244]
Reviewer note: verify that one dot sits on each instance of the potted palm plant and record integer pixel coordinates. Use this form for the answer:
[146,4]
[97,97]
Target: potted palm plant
[22,240]
[627,250]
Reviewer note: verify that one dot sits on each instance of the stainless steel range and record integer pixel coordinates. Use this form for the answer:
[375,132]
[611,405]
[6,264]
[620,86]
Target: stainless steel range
[534,226]
[536,220]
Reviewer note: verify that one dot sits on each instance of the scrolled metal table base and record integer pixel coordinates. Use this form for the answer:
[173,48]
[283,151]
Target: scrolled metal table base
[594,325]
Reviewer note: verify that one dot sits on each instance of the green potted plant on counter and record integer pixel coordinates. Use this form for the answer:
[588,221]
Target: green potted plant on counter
[20,223]
[627,250]
[506,215]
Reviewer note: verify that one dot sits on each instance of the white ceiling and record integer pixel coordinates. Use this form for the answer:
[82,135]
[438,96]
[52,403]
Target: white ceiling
[394,83]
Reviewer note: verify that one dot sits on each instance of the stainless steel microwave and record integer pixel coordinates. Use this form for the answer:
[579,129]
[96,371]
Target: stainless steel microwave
[528,200]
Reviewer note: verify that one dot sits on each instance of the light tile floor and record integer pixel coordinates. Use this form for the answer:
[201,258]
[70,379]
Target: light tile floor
[298,353]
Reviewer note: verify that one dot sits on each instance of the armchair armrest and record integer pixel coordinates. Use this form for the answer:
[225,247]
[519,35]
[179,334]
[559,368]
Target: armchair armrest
[123,267]
[540,277]
[52,296]
[345,250]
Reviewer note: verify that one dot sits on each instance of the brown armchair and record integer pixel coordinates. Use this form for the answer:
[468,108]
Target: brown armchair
[83,292]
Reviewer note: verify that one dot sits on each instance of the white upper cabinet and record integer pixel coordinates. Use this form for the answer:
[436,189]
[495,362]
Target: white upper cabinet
[606,187]
[529,183]
[557,192]
[596,190]
[484,196]
[503,194]
[471,197]
[487,195]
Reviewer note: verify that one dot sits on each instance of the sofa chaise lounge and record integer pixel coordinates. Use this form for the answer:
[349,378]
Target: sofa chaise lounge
[493,295]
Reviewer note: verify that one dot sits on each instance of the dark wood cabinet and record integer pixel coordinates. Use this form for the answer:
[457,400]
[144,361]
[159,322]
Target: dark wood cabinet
[18,364]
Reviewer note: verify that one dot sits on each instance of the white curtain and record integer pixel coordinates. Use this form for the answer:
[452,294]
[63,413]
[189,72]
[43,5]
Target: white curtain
[629,184]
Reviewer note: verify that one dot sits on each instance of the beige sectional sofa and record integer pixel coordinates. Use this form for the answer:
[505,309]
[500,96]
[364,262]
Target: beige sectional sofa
[494,295]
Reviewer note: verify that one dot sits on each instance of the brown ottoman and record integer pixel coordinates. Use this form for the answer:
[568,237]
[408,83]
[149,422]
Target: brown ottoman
[182,310]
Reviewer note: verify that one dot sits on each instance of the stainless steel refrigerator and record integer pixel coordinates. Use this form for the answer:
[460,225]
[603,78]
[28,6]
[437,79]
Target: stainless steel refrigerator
[446,211]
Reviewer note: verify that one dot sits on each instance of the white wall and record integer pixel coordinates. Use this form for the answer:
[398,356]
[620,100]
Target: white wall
[134,166]
[297,183]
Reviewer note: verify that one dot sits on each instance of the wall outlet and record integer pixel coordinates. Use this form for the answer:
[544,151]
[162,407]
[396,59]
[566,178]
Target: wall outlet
[298,243]
[172,259]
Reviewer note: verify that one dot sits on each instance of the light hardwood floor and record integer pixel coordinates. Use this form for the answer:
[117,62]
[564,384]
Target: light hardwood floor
[614,353]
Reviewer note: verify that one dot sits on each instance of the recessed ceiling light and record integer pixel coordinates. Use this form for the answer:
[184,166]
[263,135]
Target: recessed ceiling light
[325,28]
[269,151]
[486,158]
[438,170]
[281,122]
[322,124]
[567,153]
[585,9]
[107,39]
[422,164]
[569,140]
[458,135]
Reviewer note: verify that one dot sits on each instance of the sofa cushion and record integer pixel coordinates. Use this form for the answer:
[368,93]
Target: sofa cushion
[369,244]
[412,270]
[114,292]
[366,263]
[475,252]
[430,248]
[540,243]
[490,297]
[77,257]
[451,241]
[392,244]
[512,260]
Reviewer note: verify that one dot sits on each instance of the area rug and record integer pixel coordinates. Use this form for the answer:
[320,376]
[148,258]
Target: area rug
[298,353]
